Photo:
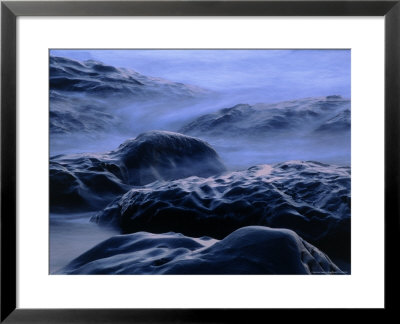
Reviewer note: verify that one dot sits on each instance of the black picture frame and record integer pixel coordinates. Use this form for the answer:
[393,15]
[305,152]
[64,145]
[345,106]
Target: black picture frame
[10,10]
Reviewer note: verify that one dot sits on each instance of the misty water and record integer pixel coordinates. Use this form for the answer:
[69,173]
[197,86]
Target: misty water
[267,80]
[231,76]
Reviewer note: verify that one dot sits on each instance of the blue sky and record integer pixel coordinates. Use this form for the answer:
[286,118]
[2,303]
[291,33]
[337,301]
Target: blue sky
[264,75]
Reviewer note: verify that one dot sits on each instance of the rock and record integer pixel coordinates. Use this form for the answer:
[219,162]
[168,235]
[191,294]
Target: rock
[339,123]
[85,96]
[261,120]
[90,181]
[96,78]
[249,250]
[161,155]
[310,198]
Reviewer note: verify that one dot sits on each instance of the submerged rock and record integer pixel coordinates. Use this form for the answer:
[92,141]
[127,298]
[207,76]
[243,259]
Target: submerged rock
[85,95]
[257,121]
[91,181]
[339,123]
[249,250]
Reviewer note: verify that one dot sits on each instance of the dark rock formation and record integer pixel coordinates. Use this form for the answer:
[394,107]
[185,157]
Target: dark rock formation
[249,250]
[91,181]
[310,198]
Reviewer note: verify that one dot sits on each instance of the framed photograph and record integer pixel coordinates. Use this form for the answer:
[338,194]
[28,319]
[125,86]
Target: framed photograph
[163,159]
